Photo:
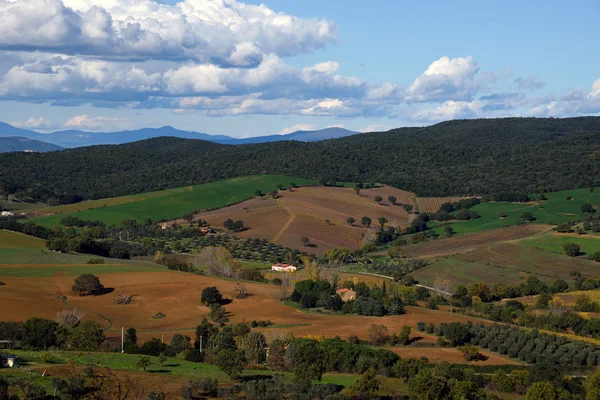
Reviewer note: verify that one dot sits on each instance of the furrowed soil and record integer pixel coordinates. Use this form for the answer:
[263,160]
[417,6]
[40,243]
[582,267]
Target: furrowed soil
[177,295]
[432,204]
[451,355]
[319,213]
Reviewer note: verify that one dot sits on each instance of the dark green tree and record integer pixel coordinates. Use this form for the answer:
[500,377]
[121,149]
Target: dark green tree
[210,296]
[231,361]
[87,284]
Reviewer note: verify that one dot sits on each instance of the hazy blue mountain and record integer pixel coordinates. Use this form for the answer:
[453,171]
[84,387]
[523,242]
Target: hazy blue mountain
[76,138]
[19,143]
[9,130]
[301,136]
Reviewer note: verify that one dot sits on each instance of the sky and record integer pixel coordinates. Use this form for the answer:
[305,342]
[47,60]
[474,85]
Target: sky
[250,68]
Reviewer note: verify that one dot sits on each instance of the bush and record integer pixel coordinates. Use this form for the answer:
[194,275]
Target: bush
[276,281]
[158,315]
[571,249]
[194,356]
[470,353]
[96,261]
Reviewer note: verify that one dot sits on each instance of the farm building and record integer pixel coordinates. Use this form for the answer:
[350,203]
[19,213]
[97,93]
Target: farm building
[7,214]
[346,294]
[9,361]
[283,268]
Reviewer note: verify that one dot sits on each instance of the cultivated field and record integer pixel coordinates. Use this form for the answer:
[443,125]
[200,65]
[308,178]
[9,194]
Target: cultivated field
[432,204]
[319,213]
[177,295]
[508,263]
[173,203]
[553,211]
[452,355]
[471,241]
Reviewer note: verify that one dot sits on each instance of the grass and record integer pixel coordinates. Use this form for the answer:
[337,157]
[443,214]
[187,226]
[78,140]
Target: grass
[553,211]
[507,263]
[173,367]
[555,242]
[171,204]
[14,240]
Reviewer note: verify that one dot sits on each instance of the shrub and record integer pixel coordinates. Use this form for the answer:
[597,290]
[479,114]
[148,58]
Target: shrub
[194,356]
[158,315]
[571,249]
[96,261]
[470,353]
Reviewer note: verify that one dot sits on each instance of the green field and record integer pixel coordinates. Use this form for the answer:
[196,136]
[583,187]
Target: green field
[553,211]
[506,263]
[175,367]
[171,204]
[555,242]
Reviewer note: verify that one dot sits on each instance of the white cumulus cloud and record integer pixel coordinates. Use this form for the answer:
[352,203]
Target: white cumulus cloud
[219,31]
[445,79]
[297,127]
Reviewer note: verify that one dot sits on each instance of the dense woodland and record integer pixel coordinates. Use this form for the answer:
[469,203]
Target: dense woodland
[463,157]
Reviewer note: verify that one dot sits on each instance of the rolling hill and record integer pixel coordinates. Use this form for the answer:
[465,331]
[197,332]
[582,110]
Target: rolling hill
[453,158]
[77,138]
[17,143]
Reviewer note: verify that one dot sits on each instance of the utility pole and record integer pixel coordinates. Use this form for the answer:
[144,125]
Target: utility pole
[200,343]
[122,340]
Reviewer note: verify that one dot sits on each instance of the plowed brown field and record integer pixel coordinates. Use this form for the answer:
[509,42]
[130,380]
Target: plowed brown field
[451,355]
[177,295]
[319,213]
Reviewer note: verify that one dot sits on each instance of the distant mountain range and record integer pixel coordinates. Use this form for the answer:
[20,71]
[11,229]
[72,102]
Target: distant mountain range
[74,138]
[19,143]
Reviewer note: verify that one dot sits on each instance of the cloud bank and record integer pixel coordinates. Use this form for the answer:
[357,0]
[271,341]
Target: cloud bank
[226,58]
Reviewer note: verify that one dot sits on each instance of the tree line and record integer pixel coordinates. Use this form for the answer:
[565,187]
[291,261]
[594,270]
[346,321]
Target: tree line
[506,158]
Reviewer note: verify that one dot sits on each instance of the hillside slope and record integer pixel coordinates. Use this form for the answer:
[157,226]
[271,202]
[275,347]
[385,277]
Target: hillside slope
[17,143]
[451,158]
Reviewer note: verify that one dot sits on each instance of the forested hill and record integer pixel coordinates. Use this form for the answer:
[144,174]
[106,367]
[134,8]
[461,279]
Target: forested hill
[452,158]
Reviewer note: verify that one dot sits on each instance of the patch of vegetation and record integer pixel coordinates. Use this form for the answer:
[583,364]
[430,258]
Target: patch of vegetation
[158,315]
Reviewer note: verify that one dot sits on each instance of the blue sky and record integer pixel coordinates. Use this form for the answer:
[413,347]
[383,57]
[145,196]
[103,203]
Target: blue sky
[242,69]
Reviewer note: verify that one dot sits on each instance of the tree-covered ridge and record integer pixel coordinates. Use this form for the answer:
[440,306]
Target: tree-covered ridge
[464,157]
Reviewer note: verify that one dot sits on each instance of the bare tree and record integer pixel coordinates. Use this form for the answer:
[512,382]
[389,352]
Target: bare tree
[286,281]
[334,269]
[69,318]
[240,291]
[217,261]
[442,287]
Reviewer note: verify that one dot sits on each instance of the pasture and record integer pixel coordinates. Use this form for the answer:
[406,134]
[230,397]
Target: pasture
[172,203]
[169,377]
[553,211]
[508,263]
[553,241]
[457,244]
